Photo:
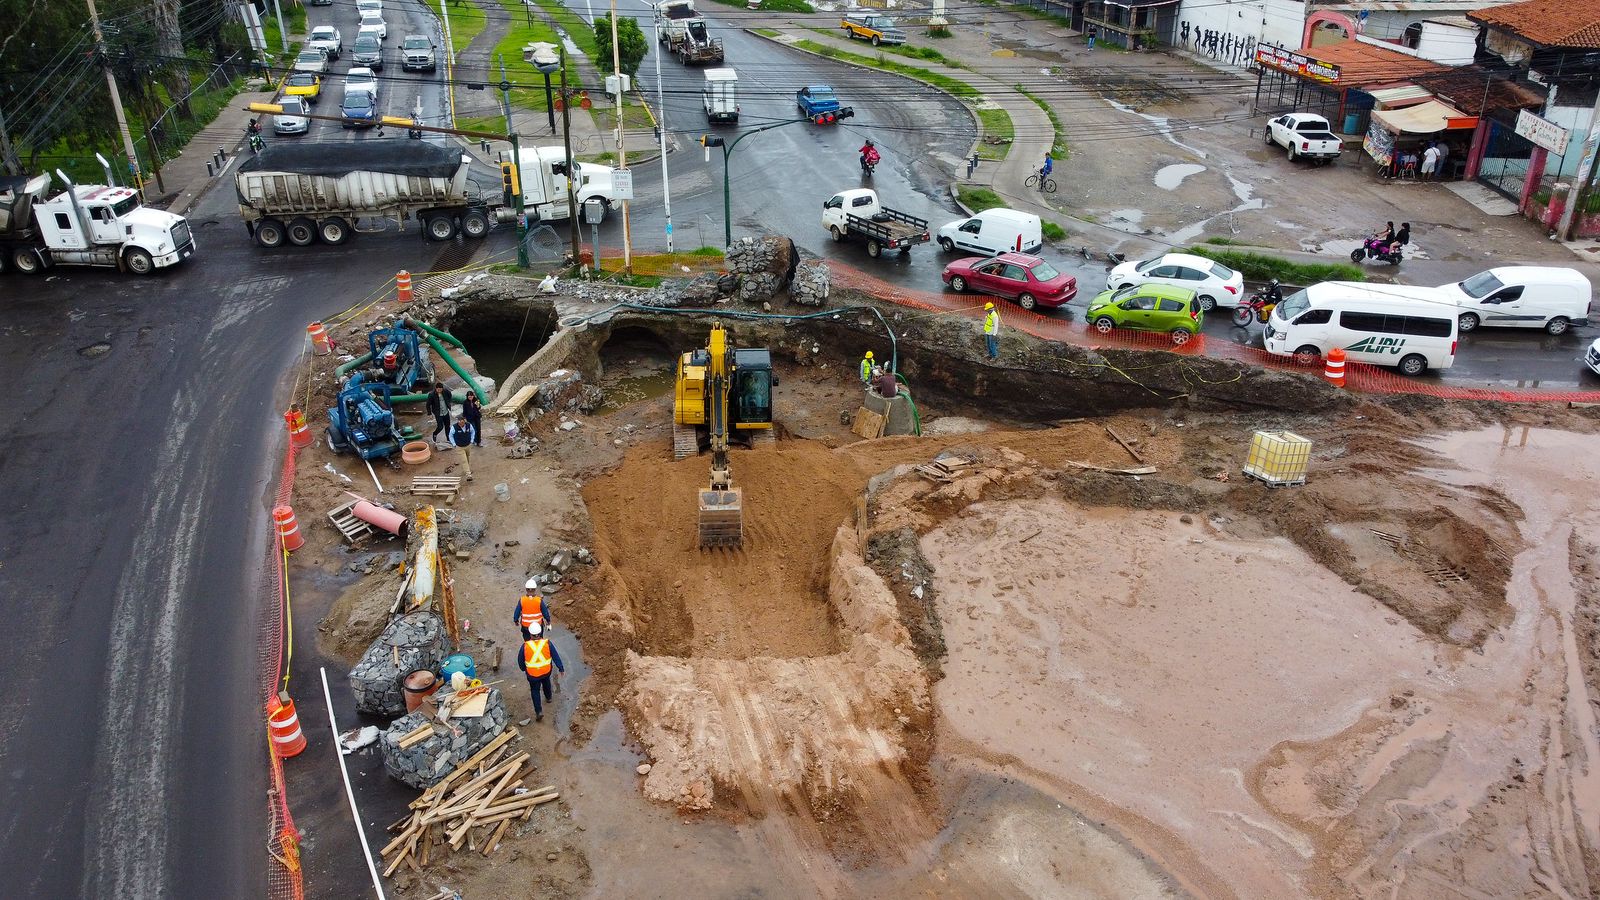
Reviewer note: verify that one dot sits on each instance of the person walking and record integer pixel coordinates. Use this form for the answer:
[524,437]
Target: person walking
[1444,157]
[472,408]
[1430,162]
[538,655]
[1093,33]
[866,368]
[439,406]
[462,436]
[530,610]
[991,330]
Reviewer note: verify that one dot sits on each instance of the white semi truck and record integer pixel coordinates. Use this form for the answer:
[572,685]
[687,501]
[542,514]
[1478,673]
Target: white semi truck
[542,172]
[85,225]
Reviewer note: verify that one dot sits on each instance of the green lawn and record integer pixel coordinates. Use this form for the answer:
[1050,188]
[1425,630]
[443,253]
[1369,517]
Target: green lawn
[1261,267]
[521,33]
[465,24]
[582,33]
[790,6]
[768,32]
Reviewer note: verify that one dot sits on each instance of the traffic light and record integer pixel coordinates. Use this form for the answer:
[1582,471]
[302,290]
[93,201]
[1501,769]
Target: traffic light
[508,179]
[847,112]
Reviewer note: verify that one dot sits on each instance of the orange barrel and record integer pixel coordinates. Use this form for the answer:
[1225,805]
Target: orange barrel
[288,528]
[403,282]
[295,421]
[319,339]
[1335,369]
[284,726]
[419,684]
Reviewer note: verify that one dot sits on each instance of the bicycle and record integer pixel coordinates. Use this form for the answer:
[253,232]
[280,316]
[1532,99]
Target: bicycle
[1044,183]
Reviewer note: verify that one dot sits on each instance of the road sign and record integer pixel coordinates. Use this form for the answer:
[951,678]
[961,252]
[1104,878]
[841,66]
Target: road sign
[622,181]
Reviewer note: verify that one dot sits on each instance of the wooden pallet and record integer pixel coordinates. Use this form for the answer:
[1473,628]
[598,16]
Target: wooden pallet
[868,424]
[353,529]
[945,470]
[685,441]
[436,485]
[517,402]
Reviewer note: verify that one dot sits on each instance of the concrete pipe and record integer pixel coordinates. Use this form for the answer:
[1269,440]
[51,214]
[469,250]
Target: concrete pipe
[378,517]
[416,453]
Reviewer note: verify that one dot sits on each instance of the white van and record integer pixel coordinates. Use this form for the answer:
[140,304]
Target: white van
[1545,297]
[1410,328]
[994,231]
[721,95]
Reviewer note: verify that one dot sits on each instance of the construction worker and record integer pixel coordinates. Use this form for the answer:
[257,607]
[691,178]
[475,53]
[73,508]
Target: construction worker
[866,368]
[530,610]
[463,436]
[538,654]
[991,329]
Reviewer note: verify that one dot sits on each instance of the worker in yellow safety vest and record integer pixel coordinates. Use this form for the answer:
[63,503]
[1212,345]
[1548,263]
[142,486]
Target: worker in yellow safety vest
[538,655]
[991,330]
[866,368]
[530,610]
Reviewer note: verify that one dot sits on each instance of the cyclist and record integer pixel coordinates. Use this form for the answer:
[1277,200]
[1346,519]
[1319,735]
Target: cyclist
[1045,170]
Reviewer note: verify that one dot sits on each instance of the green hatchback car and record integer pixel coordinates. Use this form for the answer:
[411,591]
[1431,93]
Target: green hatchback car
[1147,307]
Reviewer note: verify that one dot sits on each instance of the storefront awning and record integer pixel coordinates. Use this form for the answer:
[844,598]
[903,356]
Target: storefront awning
[1404,95]
[1424,118]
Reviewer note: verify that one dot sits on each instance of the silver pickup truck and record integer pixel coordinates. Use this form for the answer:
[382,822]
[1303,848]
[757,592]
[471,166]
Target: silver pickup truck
[416,54]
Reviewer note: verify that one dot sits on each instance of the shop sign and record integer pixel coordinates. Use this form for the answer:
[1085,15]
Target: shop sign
[1284,60]
[1543,132]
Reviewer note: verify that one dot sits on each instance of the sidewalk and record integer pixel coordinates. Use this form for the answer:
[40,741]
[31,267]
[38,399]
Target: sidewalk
[184,176]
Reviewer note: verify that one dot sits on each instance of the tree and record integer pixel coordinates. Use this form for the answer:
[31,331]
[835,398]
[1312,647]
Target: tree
[632,45]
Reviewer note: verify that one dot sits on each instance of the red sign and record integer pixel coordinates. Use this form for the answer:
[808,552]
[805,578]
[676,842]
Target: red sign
[1296,64]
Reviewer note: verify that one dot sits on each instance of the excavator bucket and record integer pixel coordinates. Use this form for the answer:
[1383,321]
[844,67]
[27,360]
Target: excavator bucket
[721,517]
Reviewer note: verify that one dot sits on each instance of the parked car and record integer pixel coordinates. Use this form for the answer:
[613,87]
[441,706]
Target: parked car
[311,61]
[877,29]
[373,21]
[1305,136]
[1148,307]
[307,85]
[321,2]
[1592,357]
[1213,283]
[1028,280]
[359,109]
[1547,297]
[416,54]
[326,38]
[993,231]
[293,118]
[361,78]
[368,51]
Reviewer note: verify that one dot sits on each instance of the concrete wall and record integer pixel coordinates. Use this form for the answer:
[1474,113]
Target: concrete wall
[1247,21]
[553,355]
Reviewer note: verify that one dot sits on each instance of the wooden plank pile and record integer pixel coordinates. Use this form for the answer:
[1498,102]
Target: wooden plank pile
[947,469]
[473,806]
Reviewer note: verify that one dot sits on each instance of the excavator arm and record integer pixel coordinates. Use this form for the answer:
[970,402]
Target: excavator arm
[721,505]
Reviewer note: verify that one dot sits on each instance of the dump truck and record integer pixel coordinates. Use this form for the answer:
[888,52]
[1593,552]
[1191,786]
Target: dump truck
[85,225]
[302,193]
[684,32]
[857,212]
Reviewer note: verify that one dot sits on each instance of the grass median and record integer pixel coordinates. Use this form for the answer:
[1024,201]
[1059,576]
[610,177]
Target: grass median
[1261,267]
[527,29]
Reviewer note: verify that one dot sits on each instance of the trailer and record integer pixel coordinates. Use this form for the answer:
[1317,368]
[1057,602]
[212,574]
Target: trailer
[85,225]
[685,33]
[300,193]
[857,212]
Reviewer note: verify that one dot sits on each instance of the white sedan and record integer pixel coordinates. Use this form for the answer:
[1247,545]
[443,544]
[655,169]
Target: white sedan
[1214,284]
[361,78]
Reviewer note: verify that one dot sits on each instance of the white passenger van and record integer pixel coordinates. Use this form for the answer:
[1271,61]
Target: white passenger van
[1547,297]
[1410,328]
[994,231]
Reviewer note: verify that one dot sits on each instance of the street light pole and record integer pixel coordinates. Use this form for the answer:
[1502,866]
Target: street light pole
[661,130]
[711,140]
[622,150]
[522,211]
[547,58]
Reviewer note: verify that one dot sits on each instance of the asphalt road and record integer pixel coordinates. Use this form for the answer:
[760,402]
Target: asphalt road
[419,95]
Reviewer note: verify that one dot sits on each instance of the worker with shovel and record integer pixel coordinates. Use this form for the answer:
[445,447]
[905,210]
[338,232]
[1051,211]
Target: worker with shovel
[538,655]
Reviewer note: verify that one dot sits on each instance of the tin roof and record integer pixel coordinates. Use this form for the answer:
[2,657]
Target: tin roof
[1362,64]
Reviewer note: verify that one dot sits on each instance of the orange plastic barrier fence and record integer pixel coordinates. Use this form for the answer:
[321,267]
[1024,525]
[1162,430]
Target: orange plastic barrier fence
[284,878]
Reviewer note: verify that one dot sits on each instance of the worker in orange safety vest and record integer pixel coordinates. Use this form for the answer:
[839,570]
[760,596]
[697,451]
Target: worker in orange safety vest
[530,610]
[538,655]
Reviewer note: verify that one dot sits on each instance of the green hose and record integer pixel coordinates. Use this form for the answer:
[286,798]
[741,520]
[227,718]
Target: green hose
[429,329]
[343,369]
[450,361]
[905,391]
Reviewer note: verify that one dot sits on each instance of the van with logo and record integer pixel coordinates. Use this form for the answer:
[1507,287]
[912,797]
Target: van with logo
[1413,329]
[994,231]
[1547,297]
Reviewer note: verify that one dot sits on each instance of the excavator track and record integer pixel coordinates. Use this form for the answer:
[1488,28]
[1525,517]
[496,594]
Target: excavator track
[685,443]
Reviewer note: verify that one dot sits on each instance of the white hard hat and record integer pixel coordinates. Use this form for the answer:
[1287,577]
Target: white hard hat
[533,584]
[535,629]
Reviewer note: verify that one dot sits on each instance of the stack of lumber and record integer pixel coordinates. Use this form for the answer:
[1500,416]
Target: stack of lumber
[473,806]
[947,469]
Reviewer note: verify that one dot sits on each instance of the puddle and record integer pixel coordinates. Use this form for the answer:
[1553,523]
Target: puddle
[629,389]
[1170,177]
[1162,124]
[1241,190]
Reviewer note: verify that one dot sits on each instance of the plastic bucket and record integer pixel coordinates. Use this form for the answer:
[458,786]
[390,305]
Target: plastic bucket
[419,684]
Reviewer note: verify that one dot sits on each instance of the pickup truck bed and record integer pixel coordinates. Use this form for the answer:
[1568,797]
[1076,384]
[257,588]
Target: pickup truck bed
[898,231]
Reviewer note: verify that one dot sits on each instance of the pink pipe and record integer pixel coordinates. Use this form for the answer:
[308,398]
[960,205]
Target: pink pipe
[377,516]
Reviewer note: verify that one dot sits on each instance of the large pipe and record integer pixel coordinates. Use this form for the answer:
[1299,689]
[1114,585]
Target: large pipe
[429,329]
[343,369]
[387,519]
[425,563]
[483,396]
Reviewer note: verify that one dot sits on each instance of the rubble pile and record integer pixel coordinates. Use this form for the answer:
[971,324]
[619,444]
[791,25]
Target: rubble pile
[810,285]
[765,266]
[411,642]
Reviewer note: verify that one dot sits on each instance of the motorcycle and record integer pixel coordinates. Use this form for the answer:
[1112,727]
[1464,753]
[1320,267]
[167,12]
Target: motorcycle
[253,132]
[1259,307]
[867,166]
[1377,249]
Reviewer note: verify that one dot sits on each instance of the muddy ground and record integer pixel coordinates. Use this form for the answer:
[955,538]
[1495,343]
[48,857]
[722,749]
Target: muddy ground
[1039,678]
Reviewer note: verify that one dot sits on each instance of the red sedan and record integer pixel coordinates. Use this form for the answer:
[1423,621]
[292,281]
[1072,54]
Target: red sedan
[1028,280]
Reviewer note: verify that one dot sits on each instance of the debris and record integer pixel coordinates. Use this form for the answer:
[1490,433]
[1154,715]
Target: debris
[356,738]
[1125,445]
[643,769]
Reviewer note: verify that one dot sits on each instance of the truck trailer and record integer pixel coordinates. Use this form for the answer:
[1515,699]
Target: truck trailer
[300,193]
[686,34]
[85,225]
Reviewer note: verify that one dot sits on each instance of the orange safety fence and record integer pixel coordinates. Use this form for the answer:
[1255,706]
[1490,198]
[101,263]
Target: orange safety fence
[1359,377]
[284,881]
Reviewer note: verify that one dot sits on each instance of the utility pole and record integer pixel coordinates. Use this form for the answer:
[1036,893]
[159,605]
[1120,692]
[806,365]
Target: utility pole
[622,151]
[505,92]
[566,137]
[283,33]
[449,63]
[661,130]
[8,154]
[116,100]
[1584,177]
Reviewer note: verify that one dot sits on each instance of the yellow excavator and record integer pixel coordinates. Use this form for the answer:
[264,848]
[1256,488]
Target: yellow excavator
[723,396]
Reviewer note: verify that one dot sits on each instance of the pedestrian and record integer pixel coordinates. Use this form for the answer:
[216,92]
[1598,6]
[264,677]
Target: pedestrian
[972,165]
[1430,162]
[1444,155]
[439,405]
[538,654]
[1093,32]
[472,408]
[530,610]
[866,368]
[991,330]
[462,436]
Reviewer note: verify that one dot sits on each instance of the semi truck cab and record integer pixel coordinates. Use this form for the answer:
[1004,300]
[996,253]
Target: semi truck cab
[96,225]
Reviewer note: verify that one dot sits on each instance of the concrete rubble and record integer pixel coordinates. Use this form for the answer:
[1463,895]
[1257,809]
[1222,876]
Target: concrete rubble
[424,763]
[411,642]
[765,266]
[810,285]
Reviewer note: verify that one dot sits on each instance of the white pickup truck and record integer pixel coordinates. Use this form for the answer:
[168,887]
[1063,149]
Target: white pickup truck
[1306,136]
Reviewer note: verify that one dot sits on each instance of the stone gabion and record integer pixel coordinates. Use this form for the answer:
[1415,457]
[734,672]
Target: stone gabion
[376,679]
[811,284]
[426,762]
[764,264]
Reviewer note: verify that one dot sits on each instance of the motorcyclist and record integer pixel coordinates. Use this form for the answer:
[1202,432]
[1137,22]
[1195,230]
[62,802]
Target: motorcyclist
[869,155]
[254,128]
[1401,238]
[1272,293]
